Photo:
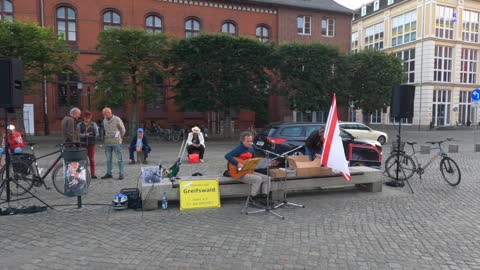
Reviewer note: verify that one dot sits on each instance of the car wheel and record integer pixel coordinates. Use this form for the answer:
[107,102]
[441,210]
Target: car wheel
[382,140]
[357,163]
[298,153]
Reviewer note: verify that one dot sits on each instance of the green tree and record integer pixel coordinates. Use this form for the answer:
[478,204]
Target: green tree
[309,74]
[42,53]
[372,75]
[131,59]
[222,73]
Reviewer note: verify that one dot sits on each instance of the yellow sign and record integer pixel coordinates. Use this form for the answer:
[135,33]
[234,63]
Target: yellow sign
[199,194]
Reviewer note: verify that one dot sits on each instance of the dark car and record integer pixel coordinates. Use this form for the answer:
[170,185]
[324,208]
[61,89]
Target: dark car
[290,138]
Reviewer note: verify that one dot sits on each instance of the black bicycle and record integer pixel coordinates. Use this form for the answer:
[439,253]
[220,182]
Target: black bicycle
[26,174]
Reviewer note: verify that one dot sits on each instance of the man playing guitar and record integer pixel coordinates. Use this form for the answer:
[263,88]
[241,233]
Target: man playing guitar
[236,159]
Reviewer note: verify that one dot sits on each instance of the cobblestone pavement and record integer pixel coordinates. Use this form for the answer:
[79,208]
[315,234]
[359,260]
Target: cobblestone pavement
[437,227]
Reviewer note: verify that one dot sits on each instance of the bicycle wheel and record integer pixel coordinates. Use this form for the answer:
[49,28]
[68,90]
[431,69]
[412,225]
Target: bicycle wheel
[58,177]
[22,175]
[450,171]
[406,166]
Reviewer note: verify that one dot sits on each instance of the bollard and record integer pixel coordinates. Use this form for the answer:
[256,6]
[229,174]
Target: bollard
[453,148]
[477,147]
[425,149]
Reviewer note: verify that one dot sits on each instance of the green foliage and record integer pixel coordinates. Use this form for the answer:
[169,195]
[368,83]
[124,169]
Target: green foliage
[310,74]
[131,58]
[217,72]
[372,75]
[43,54]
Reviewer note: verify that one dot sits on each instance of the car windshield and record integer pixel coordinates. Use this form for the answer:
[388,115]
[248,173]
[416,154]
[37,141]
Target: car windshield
[345,134]
[271,131]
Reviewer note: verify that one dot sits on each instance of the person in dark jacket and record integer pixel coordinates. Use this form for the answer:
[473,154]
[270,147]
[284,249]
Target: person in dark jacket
[88,133]
[314,144]
[139,143]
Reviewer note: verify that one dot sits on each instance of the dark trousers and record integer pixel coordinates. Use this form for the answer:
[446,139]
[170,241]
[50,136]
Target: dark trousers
[192,149]
[91,158]
[133,149]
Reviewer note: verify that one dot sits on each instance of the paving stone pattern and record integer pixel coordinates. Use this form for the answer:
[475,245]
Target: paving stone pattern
[437,227]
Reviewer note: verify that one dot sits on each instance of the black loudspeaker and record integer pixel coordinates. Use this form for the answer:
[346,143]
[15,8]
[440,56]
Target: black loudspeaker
[11,83]
[401,105]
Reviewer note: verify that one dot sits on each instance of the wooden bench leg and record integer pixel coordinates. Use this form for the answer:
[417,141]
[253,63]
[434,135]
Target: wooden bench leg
[371,187]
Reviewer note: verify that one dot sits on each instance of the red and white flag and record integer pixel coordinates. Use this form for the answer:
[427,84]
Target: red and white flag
[333,155]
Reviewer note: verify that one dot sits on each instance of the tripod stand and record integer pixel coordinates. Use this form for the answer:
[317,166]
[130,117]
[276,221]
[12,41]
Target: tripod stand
[8,178]
[398,160]
[264,208]
[284,201]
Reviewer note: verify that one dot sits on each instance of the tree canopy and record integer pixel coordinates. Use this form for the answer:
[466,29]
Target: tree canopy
[222,73]
[131,60]
[43,54]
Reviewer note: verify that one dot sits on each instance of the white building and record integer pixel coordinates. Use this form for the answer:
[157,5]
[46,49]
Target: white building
[440,56]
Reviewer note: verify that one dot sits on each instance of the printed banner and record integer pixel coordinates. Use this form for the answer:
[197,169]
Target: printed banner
[199,194]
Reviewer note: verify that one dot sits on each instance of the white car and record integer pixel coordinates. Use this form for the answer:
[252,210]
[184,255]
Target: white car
[360,130]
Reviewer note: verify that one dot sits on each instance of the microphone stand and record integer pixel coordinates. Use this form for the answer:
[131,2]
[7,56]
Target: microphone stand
[285,202]
[267,207]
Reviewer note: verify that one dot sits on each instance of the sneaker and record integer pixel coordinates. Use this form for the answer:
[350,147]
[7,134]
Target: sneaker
[94,177]
[132,162]
[201,160]
[106,176]
[120,177]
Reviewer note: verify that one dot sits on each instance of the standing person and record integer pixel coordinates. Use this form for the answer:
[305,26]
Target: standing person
[15,140]
[139,143]
[69,127]
[196,142]
[88,133]
[245,151]
[114,131]
[314,144]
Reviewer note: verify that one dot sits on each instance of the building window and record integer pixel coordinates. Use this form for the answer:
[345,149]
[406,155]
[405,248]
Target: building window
[68,92]
[328,27]
[408,62]
[229,28]
[263,33]
[376,117]
[376,5]
[364,11]
[111,19]
[67,24]
[470,26]
[444,22]
[153,24]
[355,42]
[192,28]
[465,110]
[318,116]
[468,67]
[441,107]
[390,2]
[157,102]
[304,25]
[374,37]
[404,28]
[442,66]
[6,10]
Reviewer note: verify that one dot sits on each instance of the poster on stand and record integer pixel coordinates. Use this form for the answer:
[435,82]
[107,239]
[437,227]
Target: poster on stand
[76,175]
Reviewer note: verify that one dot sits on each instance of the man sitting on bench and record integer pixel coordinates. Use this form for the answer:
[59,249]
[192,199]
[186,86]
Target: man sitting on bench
[139,144]
[196,142]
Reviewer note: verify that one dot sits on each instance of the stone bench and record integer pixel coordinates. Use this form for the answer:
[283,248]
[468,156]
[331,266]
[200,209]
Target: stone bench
[367,178]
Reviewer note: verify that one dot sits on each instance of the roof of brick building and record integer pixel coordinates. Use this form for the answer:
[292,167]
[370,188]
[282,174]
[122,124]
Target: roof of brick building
[328,5]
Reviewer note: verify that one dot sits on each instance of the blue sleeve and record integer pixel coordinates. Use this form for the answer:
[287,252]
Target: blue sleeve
[233,153]
[95,129]
[134,141]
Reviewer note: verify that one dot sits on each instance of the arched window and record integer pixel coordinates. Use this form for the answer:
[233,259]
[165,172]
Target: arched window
[67,23]
[263,33]
[111,19]
[229,28]
[67,88]
[153,24]
[6,10]
[192,28]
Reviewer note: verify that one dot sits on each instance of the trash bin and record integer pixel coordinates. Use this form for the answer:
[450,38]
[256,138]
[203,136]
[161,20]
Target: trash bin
[76,171]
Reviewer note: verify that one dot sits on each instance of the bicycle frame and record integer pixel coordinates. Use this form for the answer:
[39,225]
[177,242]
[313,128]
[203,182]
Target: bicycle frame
[52,166]
[440,153]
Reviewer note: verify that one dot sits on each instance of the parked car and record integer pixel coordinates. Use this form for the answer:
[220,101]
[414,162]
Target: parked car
[363,131]
[280,138]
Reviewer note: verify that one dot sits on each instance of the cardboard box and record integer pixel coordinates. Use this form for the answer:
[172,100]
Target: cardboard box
[277,173]
[308,168]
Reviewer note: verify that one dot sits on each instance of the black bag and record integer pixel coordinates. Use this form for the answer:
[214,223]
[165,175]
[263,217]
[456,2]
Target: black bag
[23,168]
[134,199]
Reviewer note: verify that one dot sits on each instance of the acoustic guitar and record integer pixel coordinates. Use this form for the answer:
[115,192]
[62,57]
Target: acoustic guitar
[248,167]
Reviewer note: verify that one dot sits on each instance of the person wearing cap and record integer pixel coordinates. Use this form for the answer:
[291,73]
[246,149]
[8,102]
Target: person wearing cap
[88,132]
[139,143]
[15,141]
[196,142]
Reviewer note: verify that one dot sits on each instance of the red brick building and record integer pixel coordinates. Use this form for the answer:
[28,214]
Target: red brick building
[80,21]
